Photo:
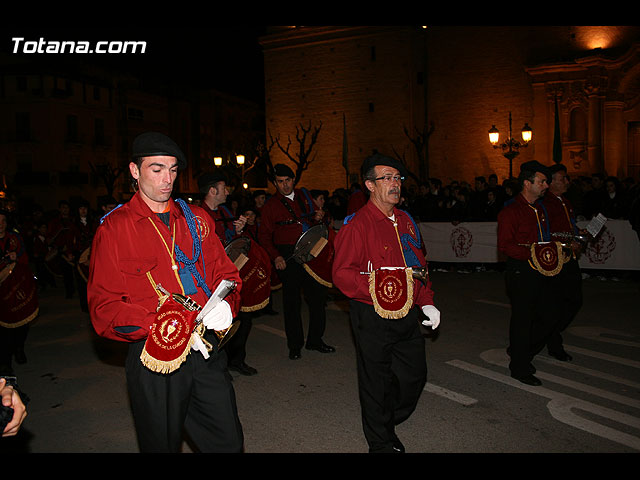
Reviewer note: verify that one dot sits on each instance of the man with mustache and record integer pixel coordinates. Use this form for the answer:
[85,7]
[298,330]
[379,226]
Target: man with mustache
[521,223]
[391,362]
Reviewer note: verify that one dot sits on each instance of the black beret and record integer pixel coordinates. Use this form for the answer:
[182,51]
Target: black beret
[207,180]
[556,168]
[534,166]
[155,144]
[282,170]
[379,159]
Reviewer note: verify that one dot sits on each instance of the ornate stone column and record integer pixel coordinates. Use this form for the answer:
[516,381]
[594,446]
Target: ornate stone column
[615,139]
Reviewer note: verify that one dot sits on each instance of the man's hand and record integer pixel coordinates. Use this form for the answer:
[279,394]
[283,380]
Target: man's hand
[280,263]
[433,316]
[11,398]
[240,223]
[220,318]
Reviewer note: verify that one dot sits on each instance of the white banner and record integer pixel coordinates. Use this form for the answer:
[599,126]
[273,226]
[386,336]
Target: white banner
[617,246]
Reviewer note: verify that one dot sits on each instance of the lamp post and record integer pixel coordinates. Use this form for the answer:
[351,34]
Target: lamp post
[510,147]
[225,161]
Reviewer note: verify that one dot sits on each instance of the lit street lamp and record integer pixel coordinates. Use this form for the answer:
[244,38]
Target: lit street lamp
[510,147]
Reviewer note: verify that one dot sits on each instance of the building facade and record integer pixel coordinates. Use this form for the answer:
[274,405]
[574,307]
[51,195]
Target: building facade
[374,79]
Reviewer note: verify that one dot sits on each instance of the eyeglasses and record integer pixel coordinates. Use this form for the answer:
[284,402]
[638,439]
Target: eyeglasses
[388,178]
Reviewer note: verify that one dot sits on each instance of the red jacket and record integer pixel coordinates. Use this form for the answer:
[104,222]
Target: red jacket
[369,236]
[223,219]
[560,213]
[519,224]
[131,249]
[278,226]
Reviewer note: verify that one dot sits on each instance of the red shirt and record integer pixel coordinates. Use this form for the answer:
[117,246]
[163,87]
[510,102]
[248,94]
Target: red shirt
[368,241]
[559,212]
[356,201]
[519,224]
[223,221]
[278,226]
[131,249]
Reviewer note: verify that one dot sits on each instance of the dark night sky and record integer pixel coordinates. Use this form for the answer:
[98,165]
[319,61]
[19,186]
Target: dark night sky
[227,58]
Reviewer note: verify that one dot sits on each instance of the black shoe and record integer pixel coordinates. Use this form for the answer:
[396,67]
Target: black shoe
[527,379]
[321,347]
[294,354]
[243,369]
[398,447]
[561,355]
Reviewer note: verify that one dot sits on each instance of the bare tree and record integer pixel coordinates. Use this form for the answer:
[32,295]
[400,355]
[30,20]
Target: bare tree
[108,174]
[420,142]
[302,158]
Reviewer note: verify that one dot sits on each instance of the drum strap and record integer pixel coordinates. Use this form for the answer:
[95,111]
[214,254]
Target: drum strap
[303,208]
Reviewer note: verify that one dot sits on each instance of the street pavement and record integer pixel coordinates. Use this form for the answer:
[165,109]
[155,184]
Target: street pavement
[79,400]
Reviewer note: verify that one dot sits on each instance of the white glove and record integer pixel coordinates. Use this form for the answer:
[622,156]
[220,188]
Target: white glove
[199,345]
[219,318]
[433,315]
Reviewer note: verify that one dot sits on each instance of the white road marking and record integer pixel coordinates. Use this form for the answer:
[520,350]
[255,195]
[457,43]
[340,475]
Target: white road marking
[600,334]
[499,357]
[491,302]
[275,331]
[451,395]
[562,408]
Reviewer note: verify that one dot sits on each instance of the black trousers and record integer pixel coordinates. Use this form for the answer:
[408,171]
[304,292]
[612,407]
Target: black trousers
[392,371]
[197,399]
[296,284]
[567,287]
[532,314]
[236,347]
[12,341]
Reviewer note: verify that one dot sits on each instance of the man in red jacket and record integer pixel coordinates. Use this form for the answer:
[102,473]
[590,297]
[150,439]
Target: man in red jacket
[142,250]
[568,282]
[384,240]
[285,216]
[521,223]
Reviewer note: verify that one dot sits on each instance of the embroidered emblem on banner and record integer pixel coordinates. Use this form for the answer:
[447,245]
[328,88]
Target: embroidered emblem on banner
[548,257]
[169,340]
[461,241]
[391,292]
[600,250]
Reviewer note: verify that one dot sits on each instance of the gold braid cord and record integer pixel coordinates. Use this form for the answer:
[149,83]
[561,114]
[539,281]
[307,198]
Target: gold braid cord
[316,277]
[404,309]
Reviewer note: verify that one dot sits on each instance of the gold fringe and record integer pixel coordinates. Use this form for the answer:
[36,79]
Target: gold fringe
[21,322]
[533,262]
[316,277]
[255,307]
[159,366]
[392,314]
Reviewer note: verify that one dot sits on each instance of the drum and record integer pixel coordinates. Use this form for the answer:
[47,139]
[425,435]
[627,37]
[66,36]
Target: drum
[315,251]
[254,266]
[18,297]
[6,271]
[83,264]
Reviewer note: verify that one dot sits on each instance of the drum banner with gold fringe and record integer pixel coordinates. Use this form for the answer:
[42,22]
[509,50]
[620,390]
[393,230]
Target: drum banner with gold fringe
[254,265]
[18,296]
[391,291]
[548,258]
[321,264]
[170,338]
